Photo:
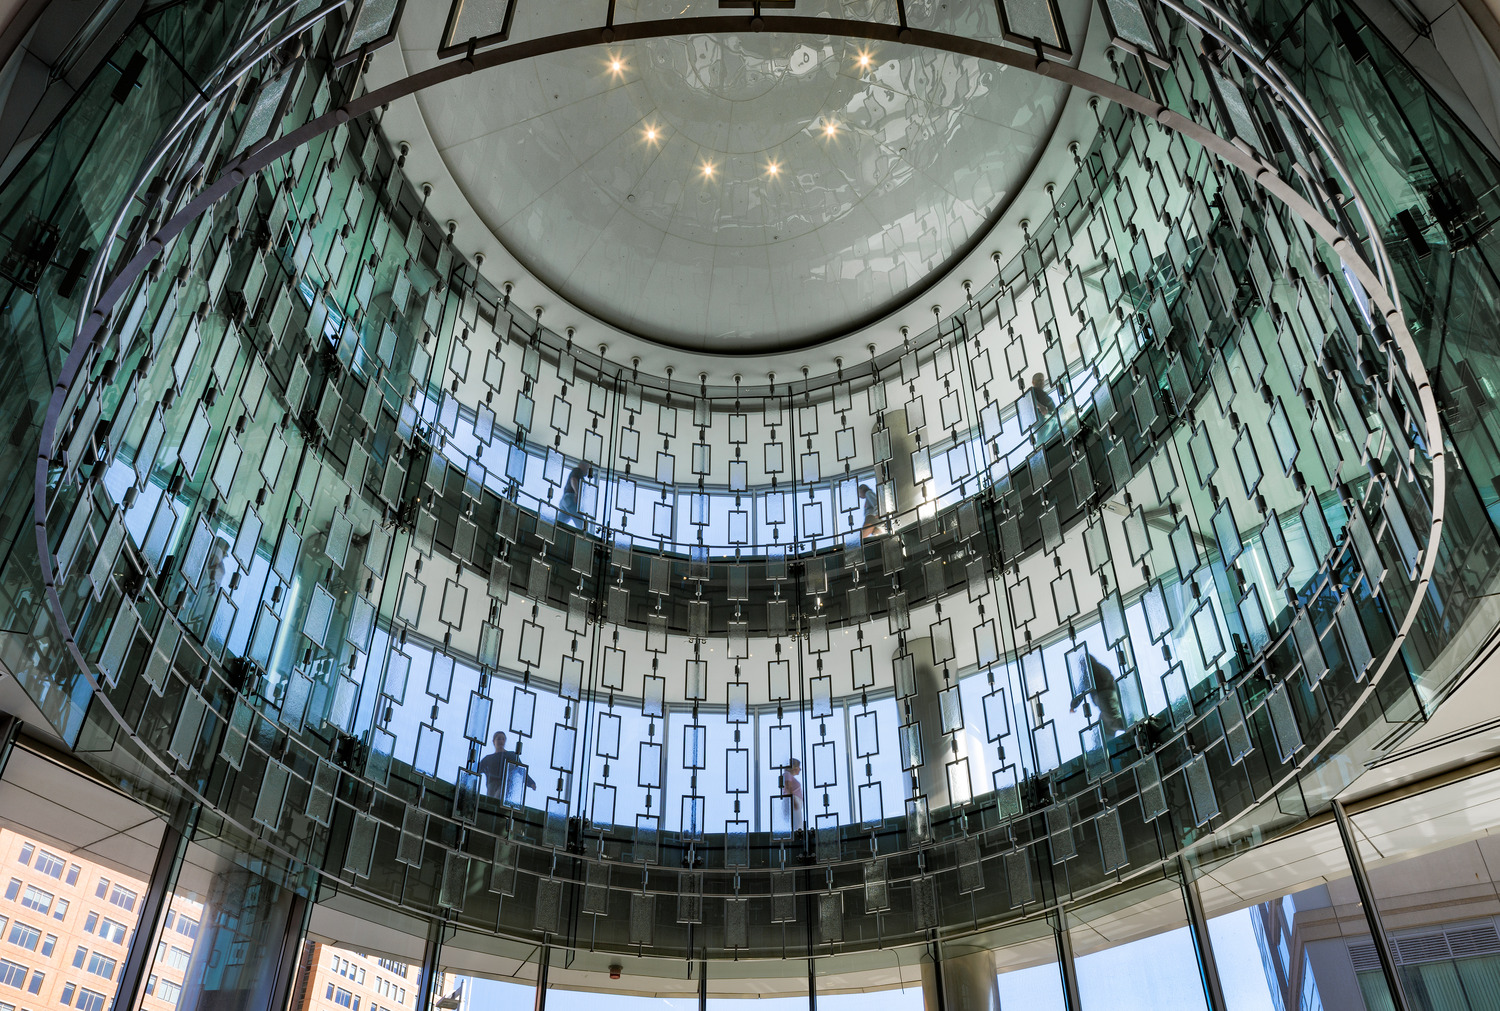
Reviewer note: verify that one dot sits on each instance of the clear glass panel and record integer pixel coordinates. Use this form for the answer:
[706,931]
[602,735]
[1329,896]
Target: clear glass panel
[1036,986]
[1442,912]
[75,864]
[1159,970]
[1237,953]
[343,979]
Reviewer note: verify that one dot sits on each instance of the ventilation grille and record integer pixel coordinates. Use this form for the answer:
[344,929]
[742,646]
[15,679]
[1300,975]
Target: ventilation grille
[1362,954]
[1430,946]
[1422,948]
[1481,939]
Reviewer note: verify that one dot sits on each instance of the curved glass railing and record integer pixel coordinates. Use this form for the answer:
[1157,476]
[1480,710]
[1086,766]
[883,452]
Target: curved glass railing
[308,522]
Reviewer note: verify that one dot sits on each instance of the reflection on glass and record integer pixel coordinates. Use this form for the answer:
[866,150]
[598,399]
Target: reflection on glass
[1035,988]
[1159,971]
[342,979]
[1236,953]
[1441,912]
[68,912]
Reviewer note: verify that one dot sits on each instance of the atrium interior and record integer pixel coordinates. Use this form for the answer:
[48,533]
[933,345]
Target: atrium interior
[954,505]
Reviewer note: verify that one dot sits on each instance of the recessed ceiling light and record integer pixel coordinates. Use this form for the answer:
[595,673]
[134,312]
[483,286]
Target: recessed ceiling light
[616,66]
[830,128]
[652,133]
[708,170]
[864,58]
[773,168]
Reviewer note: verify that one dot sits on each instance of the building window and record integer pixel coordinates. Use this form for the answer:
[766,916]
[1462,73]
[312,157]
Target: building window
[68,990]
[361,976]
[90,922]
[113,930]
[13,889]
[123,897]
[176,959]
[24,936]
[61,910]
[73,871]
[151,985]
[103,888]
[88,1000]
[12,973]
[101,965]
[36,982]
[329,994]
[35,898]
[25,858]
[343,998]
[48,943]
[187,927]
[168,991]
[50,864]
[80,956]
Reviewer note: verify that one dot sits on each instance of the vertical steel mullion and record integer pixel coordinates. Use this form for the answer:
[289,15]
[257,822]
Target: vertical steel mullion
[432,951]
[543,963]
[1203,948]
[1372,911]
[10,729]
[284,983]
[1072,1001]
[169,855]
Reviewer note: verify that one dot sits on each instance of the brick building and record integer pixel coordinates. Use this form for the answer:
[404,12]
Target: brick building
[66,924]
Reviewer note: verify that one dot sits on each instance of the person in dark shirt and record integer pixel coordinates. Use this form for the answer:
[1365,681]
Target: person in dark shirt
[493,767]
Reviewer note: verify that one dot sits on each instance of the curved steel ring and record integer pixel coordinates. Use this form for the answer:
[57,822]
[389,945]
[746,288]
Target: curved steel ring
[259,157]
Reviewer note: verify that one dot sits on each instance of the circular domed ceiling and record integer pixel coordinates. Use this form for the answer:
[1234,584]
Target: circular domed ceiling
[741,193]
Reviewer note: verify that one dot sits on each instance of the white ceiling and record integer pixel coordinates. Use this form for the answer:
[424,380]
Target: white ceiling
[592,175]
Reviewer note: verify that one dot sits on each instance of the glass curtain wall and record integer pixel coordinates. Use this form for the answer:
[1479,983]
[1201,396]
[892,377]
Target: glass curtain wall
[307,684]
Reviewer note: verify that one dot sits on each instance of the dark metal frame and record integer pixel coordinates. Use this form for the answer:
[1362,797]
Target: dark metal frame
[449,46]
[1009,34]
[1203,947]
[1367,902]
[360,52]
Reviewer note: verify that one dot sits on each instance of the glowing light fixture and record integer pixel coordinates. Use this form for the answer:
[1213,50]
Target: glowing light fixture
[616,66]
[830,128]
[708,170]
[773,169]
[864,59]
[652,134]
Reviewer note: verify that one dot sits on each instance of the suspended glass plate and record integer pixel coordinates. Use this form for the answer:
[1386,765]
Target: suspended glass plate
[373,26]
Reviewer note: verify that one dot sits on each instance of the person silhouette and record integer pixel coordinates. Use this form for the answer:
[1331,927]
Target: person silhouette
[495,764]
